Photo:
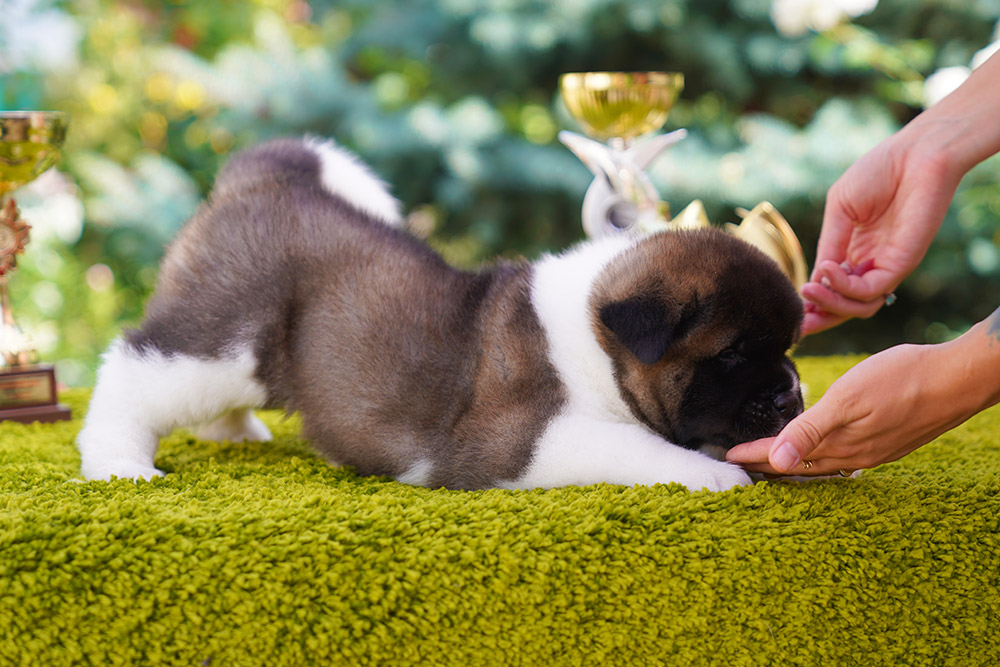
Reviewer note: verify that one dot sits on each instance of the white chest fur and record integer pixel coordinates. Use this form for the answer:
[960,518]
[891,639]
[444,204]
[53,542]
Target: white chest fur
[560,294]
[596,438]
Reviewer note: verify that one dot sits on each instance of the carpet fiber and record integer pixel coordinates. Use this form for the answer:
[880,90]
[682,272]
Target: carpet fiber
[259,554]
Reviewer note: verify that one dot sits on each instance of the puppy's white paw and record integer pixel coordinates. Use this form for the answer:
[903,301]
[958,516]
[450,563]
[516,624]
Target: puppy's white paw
[716,476]
[121,468]
[236,426]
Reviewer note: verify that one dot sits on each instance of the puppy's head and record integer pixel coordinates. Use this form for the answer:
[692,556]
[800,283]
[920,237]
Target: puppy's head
[697,325]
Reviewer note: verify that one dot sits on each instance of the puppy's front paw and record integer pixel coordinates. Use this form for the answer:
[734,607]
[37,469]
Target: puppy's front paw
[121,468]
[717,476]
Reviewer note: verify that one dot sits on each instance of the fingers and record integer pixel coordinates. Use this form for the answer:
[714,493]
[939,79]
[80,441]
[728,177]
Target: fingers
[786,451]
[834,304]
[861,269]
[863,282]
[817,468]
[842,292]
[817,320]
[750,452]
[801,437]
[778,456]
[753,457]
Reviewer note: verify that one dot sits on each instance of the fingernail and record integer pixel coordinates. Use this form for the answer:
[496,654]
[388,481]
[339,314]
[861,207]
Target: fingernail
[785,457]
[824,281]
[846,266]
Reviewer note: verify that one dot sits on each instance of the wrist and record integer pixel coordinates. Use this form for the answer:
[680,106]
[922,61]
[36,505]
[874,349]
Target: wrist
[961,138]
[975,357]
[961,129]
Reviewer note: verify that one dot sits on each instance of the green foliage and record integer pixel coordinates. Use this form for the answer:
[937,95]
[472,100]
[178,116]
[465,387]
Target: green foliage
[455,103]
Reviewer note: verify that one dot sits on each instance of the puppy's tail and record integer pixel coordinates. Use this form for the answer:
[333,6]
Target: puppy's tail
[334,168]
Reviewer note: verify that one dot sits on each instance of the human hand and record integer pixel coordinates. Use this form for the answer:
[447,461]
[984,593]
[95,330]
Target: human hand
[879,220]
[882,213]
[884,408]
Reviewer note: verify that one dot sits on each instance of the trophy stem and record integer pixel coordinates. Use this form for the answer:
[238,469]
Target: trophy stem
[14,348]
[620,144]
[8,315]
[15,351]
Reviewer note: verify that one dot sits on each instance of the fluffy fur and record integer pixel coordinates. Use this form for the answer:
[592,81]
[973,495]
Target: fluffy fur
[620,361]
[142,395]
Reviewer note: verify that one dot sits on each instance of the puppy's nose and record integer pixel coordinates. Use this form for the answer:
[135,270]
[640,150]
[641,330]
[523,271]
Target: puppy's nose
[788,404]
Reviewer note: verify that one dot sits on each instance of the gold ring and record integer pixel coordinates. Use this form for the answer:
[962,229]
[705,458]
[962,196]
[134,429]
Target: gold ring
[806,463]
[845,473]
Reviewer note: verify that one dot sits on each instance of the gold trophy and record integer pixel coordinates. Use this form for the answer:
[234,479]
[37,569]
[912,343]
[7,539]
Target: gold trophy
[618,108]
[29,144]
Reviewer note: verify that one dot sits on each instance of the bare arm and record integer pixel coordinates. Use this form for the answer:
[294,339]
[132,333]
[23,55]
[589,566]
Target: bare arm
[883,213]
[887,406]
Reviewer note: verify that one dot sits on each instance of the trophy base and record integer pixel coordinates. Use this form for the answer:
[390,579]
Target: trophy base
[28,394]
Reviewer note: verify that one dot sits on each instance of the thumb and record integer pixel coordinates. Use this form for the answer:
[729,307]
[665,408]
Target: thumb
[799,438]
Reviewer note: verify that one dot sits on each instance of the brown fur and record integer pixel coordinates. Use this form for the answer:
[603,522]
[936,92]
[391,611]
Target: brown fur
[398,362]
[720,292]
[391,356]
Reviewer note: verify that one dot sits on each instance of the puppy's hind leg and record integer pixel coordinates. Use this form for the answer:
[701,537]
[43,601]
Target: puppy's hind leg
[143,394]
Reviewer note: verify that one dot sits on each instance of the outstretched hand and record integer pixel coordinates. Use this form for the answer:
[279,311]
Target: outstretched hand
[885,407]
[882,214]
[880,218]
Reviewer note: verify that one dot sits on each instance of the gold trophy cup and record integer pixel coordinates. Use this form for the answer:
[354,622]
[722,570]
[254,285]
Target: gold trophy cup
[29,144]
[619,107]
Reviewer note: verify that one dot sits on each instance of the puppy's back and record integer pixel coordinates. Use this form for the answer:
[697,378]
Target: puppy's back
[279,211]
[311,162]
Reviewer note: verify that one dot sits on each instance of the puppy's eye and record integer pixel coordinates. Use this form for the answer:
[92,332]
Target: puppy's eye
[730,358]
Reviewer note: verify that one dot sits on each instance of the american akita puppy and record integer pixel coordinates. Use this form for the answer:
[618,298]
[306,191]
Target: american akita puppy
[621,360]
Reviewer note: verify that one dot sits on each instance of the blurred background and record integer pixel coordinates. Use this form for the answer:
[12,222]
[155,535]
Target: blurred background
[455,104]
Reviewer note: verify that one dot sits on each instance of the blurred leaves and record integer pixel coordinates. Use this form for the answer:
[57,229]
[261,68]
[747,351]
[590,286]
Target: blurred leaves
[454,102]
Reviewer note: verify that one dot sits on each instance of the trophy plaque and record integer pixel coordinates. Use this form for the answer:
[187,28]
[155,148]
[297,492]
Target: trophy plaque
[29,144]
[616,108]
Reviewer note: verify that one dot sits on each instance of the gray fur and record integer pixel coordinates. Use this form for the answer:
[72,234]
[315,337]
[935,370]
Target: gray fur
[402,365]
[391,356]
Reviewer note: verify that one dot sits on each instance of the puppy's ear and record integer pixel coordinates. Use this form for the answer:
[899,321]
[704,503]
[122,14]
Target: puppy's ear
[643,324]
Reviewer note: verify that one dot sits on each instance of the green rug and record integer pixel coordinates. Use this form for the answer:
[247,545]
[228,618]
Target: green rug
[259,554]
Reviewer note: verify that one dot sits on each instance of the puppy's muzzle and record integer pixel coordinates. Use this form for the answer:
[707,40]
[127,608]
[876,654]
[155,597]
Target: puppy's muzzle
[788,404]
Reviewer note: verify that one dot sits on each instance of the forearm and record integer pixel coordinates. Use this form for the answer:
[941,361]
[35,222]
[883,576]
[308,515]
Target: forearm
[963,126]
[976,357]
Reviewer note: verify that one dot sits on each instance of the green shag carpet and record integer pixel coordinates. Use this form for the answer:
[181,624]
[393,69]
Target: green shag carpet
[260,554]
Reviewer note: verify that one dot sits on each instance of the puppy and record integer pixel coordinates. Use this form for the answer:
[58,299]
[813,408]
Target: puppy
[624,361]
